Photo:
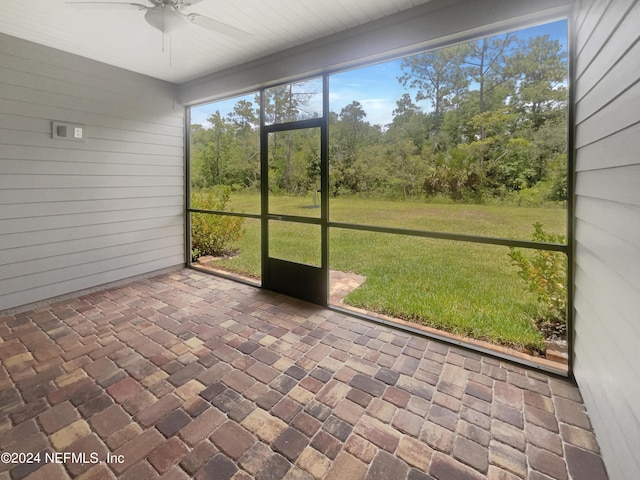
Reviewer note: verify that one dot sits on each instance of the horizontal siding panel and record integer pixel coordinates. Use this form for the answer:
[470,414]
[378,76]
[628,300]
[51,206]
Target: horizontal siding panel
[96,106]
[40,266]
[39,195]
[93,232]
[625,35]
[610,18]
[613,252]
[74,90]
[590,23]
[612,397]
[592,372]
[621,77]
[615,184]
[605,354]
[601,336]
[40,167]
[613,117]
[41,224]
[43,139]
[89,206]
[77,270]
[616,150]
[602,302]
[589,394]
[621,459]
[581,10]
[43,125]
[84,181]
[116,79]
[24,123]
[75,215]
[607,406]
[27,109]
[28,152]
[610,389]
[607,228]
[617,219]
[122,135]
[104,274]
[57,72]
[33,254]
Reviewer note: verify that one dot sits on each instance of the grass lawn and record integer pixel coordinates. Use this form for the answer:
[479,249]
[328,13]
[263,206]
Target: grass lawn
[465,288]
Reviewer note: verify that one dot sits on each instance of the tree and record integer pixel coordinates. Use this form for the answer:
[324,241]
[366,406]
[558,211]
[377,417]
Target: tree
[243,116]
[215,154]
[406,168]
[541,72]
[437,76]
[497,125]
[348,133]
[405,109]
[198,141]
[352,117]
[409,122]
[485,65]
[282,104]
[247,143]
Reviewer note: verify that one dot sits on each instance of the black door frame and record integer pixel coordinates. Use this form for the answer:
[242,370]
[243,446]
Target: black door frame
[305,282]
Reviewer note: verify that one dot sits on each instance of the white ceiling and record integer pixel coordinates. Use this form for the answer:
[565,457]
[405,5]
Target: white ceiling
[121,37]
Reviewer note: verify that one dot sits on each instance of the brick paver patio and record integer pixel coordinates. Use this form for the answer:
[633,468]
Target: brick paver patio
[187,375]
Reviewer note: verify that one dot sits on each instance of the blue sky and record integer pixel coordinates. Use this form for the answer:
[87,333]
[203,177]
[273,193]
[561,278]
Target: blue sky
[376,87]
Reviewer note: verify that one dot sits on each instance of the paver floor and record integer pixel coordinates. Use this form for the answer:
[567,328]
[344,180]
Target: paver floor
[188,375]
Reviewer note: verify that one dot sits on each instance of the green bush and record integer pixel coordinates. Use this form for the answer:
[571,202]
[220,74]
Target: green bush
[213,234]
[545,273]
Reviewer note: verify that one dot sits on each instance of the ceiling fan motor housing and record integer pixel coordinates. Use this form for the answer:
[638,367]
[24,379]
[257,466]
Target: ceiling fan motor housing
[165,18]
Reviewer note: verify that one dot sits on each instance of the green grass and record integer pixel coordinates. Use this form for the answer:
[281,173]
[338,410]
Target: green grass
[464,288]
[468,289]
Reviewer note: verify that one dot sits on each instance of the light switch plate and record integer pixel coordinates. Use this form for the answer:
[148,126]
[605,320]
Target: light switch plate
[67,131]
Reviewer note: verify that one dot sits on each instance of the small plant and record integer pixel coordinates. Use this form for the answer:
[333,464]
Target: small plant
[545,273]
[213,234]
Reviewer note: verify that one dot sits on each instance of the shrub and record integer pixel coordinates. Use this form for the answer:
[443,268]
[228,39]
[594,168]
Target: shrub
[545,273]
[557,168]
[213,234]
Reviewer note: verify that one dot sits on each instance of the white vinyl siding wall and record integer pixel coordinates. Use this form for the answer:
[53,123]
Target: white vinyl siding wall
[607,277]
[75,215]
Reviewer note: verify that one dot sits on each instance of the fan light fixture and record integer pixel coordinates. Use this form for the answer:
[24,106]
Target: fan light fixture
[168,16]
[165,18]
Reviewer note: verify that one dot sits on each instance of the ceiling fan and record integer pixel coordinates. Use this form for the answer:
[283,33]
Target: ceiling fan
[168,16]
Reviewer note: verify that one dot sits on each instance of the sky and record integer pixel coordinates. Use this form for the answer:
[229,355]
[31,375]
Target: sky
[376,87]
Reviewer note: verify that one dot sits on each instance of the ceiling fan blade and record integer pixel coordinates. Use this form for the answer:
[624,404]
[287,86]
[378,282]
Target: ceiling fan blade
[137,6]
[218,27]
